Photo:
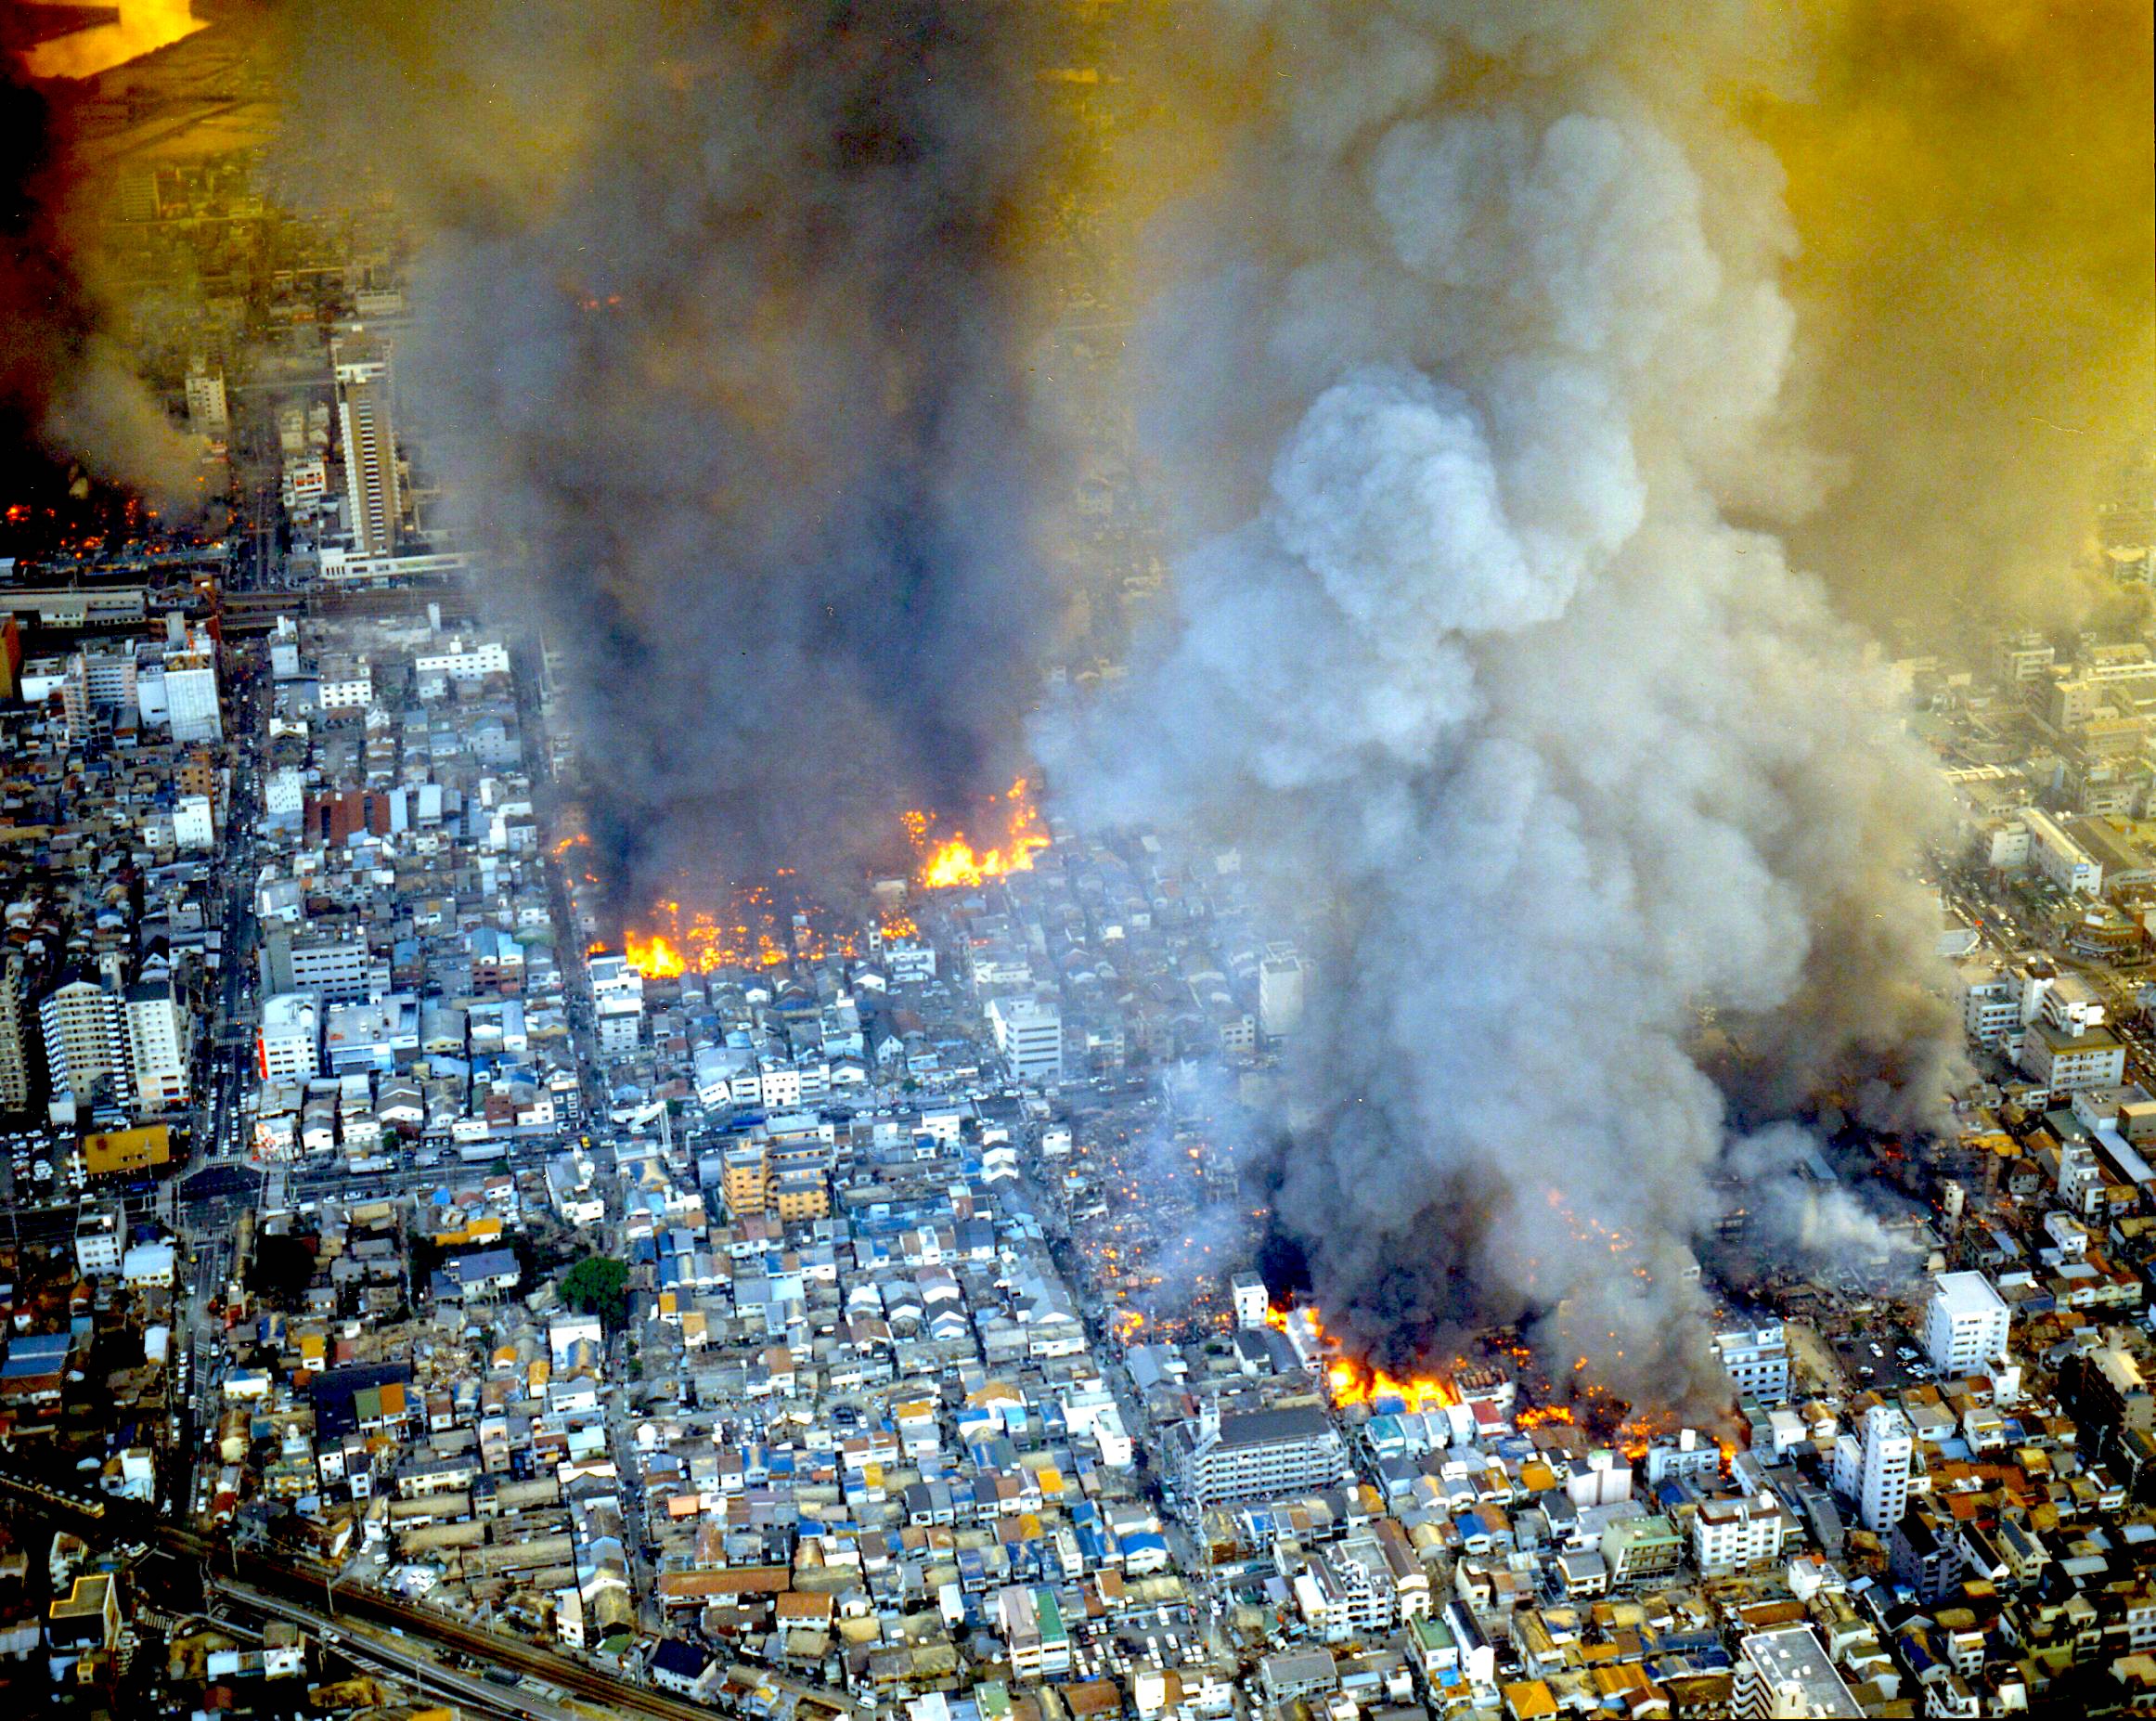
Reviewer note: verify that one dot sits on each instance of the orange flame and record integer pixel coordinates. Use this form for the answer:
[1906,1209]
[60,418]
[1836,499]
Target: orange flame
[1352,1381]
[655,957]
[955,861]
[749,932]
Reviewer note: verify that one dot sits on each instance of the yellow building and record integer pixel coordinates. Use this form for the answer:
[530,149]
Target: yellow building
[127,1152]
[744,1180]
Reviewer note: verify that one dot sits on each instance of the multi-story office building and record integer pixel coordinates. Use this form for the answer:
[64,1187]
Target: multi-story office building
[288,1045]
[190,696]
[339,970]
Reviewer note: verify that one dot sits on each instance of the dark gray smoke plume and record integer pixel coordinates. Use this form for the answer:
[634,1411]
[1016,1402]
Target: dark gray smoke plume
[66,385]
[1455,385]
[723,336]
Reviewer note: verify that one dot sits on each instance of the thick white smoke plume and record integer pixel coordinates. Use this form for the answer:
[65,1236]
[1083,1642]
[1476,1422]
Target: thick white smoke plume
[1457,385]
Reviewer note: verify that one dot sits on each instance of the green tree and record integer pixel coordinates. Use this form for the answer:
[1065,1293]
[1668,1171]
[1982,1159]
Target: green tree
[599,1285]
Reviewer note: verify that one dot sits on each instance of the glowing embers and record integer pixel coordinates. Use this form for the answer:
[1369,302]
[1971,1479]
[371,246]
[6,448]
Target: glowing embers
[950,862]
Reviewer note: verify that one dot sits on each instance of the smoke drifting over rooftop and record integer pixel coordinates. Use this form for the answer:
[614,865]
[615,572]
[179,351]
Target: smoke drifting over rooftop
[722,321]
[1479,333]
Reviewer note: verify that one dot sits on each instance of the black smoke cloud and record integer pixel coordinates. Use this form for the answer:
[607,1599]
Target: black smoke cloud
[69,391]
[722,339]
[1465,359]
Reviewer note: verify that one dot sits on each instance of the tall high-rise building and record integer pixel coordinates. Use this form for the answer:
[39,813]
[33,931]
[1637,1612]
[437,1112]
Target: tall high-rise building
[206,406]
[287,1044]
[363,419]
[157,1046]
[85,1039]
[1872,1466]
[1280,991]
[13,1051]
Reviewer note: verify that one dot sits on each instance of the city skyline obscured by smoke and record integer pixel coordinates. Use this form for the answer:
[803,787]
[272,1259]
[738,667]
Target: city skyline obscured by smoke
[1464,354]
[721,333]
[67,383]
[1973,184]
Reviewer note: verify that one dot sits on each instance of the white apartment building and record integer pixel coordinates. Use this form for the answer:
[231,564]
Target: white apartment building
[1280,991]
[1785,1675]
[2066,1061]
[463,663]
[1030,1036]
[284,793]
[100,1241]
[2069,1002]
[85,1039]
[613,982]
[288,1045]
[1991,1004]
[2024,657]
[1966,1327]
[1872,1466]
[1735,1536]
[347,684]
[207,411]
[1261,1455]
[157,1046]
[194,826]
[1756,1361]
[782,1083]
